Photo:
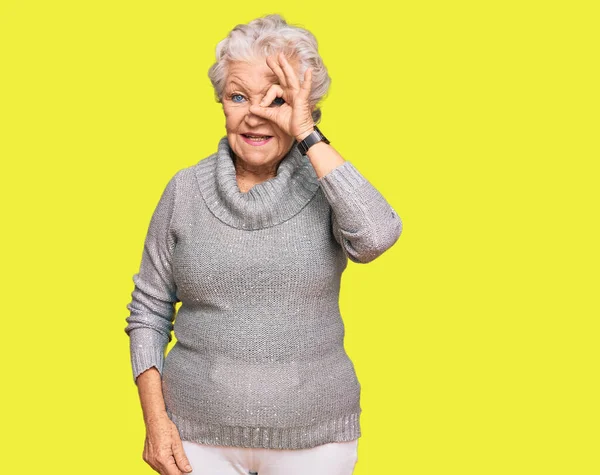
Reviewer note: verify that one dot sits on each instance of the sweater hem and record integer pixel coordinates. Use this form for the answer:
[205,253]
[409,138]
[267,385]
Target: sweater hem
[146,350]
[342,429]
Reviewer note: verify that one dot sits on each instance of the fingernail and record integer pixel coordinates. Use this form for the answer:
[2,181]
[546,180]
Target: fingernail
[188,468]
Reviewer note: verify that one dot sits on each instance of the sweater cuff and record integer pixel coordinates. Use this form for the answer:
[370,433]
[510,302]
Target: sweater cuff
[342,180]
[147,349]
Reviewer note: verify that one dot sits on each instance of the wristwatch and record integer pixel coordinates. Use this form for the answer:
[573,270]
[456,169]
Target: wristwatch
[310,140]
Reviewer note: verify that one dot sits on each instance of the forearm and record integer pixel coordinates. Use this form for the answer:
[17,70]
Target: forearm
[363,222]
[149,385]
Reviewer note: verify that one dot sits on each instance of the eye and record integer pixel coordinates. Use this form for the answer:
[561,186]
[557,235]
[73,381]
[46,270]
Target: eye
[237,98]
[278,101]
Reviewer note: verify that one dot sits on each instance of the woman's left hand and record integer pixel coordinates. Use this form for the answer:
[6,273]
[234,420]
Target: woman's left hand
[294,116]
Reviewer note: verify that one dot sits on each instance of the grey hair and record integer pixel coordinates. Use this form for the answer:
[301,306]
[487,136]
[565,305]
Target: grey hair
[266,36]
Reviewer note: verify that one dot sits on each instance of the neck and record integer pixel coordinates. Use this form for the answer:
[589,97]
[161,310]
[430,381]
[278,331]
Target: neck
[247,177]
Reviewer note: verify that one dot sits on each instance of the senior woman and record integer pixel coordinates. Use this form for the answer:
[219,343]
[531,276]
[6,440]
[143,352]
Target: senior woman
[252,241]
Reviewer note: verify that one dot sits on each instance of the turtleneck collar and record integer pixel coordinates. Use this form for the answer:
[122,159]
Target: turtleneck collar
[266,204]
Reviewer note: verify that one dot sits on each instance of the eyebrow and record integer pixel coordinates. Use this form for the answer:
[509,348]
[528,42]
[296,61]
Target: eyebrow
[243,86]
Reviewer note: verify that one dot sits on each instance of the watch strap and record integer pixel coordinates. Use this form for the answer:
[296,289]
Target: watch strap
[314,137]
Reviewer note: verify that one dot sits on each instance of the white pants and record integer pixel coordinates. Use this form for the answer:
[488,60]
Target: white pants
[336,458]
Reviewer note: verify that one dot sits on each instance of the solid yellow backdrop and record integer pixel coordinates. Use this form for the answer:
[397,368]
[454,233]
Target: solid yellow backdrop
[475,338]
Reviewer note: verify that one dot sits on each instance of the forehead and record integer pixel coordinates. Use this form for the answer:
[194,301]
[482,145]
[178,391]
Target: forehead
[254,74]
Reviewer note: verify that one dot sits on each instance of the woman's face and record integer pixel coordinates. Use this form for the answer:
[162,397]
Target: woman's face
[258,142]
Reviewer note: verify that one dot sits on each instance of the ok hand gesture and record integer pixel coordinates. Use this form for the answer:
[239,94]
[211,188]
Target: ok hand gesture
[294,114]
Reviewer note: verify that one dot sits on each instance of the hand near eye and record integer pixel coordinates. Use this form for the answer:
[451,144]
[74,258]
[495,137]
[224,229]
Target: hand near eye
[294,116]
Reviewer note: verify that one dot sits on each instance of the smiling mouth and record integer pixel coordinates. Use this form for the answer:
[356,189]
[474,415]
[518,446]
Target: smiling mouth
[258,138]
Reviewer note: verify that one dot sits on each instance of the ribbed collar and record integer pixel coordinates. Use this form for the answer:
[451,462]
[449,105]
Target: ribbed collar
[266,204]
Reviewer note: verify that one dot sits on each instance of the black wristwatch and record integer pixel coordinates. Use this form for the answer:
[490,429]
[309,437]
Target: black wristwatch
[310,140]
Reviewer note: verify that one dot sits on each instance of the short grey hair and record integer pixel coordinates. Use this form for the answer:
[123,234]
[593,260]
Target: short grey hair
[266,36]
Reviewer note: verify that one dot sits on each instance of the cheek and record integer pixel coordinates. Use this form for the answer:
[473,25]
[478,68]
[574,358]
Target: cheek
[233,118]
[282,135]
[286,140]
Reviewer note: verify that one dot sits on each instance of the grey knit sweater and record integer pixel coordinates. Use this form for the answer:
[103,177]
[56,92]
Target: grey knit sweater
[259,359]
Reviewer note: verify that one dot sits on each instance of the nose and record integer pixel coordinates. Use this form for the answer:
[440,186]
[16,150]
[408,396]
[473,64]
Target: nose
[253,120]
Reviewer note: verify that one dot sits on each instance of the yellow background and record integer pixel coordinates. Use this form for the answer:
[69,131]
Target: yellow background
[475,338]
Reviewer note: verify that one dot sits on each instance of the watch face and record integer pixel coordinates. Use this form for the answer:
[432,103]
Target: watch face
[311,139]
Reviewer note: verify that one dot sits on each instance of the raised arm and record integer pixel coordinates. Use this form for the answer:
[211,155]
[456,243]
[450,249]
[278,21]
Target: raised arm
[364,224]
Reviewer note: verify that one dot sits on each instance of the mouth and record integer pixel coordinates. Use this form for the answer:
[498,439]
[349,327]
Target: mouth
[256,140]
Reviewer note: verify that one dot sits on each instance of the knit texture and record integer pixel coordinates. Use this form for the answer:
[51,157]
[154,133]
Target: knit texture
[259,359]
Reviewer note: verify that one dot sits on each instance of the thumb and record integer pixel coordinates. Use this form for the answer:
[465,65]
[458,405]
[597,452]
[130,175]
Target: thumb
[180,458]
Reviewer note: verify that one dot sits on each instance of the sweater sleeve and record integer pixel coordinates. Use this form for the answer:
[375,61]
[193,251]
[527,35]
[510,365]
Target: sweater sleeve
[152,306]
[363,222]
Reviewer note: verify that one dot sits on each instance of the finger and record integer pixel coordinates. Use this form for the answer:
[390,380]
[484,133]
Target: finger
[274,65]
[290,75]
[269,113]
[180,458]
[273,92]
[169,467]
[307,84]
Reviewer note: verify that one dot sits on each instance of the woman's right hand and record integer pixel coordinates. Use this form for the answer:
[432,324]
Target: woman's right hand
[163,449]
